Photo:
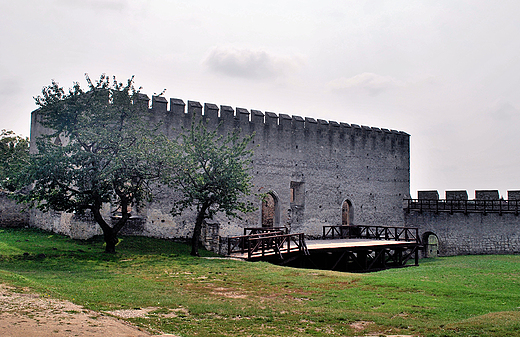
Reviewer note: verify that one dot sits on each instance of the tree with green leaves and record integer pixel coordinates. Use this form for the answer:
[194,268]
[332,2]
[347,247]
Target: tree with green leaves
[99,150]
[211,174]
[14,155]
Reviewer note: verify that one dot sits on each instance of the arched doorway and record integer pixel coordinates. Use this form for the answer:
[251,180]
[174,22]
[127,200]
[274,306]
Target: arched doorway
[270,210]
[431,245]
[347,213]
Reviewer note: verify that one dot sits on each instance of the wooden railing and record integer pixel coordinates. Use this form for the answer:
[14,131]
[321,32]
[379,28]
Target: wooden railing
[239,244]
[464,206]
[372,232]
[267,243]
[262,230]
[278,244]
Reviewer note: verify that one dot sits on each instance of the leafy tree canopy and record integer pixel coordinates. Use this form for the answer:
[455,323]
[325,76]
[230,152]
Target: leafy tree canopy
[14,155]
[212,174]
[100,149]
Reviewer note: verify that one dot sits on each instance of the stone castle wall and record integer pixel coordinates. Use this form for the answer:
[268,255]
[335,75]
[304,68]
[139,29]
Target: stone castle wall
[309,166]
[472,233]
[11,213]
[462,232]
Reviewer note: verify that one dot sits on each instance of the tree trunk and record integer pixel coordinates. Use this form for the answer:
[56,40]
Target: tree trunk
[196,231]
[111,241]
[109,233]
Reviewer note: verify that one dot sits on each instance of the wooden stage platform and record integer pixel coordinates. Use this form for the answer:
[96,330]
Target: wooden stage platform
[359,249]
[352,243]
[360,255]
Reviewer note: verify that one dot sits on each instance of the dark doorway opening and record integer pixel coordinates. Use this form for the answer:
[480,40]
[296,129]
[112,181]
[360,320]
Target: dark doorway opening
[347,213]
[431,245]
[270,210]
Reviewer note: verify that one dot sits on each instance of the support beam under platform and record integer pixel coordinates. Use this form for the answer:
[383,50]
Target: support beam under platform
[357,255]
[364,255]
[350,255]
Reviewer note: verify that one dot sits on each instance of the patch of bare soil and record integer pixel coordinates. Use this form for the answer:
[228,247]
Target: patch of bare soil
[362,325]
[24,314]
[145,312]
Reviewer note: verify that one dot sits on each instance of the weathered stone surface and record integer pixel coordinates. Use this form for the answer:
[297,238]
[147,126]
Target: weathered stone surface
[474,233]
[428,195]
[456,195]
[329,162]
[11,213]
[487,195]
[513,195]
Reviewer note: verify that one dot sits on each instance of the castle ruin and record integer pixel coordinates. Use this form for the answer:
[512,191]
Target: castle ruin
[314,172]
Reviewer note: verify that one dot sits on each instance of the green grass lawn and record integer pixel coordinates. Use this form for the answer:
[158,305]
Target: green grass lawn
[455,296]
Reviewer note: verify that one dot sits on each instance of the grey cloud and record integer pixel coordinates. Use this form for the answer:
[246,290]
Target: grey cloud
[252,64]
[504,112]
[372,83]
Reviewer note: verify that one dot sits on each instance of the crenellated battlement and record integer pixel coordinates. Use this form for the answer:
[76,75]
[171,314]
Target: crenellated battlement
[463,195]
[319,172]
[486,201]
[458,225]
[310,167]
[243,118]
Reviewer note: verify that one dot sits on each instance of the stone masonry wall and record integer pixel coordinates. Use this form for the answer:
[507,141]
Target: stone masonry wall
[329,162]
[471,233]
[11,213]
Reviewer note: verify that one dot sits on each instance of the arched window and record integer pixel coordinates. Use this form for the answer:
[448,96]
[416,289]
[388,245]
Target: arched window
[347,213]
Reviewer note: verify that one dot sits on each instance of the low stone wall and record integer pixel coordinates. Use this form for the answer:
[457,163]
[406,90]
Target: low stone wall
[12,214]
[75,226]
[84,227]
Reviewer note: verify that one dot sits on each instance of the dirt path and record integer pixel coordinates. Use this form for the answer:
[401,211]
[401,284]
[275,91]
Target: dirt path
[25,314]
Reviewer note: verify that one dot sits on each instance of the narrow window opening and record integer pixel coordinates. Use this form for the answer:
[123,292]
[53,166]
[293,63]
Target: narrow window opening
[297,193]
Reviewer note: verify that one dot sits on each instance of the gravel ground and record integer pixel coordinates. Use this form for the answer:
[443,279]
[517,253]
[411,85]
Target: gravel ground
[26,314]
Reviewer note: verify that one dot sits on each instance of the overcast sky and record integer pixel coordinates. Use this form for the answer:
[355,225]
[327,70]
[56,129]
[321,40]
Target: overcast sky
[446,71]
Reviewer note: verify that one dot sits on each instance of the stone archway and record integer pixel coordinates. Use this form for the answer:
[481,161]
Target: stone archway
[270,210]
[347,213]
[431,245]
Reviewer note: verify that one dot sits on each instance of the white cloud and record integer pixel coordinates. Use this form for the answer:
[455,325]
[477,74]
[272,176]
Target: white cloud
[253,64]
[374,84]
[9,87]
[97,4]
